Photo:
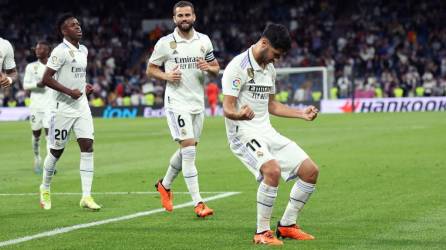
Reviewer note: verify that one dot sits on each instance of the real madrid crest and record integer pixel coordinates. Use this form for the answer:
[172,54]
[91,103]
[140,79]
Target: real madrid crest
[173,45]
[71,53]
[202,49]
[250,72]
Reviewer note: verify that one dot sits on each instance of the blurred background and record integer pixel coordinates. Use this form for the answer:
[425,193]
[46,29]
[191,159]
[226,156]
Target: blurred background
[369,48]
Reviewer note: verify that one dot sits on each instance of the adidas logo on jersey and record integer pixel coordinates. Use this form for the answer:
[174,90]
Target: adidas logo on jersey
[252,81]
[74,60]
[175,52]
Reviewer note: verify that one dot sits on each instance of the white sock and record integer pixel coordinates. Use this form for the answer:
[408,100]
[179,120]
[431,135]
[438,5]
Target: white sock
[173,170]
[48,172]
[300,193]
[266,195]
[86,171]
[36,146]
[190,173]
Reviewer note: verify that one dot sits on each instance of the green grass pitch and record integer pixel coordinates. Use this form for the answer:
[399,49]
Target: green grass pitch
[381,186]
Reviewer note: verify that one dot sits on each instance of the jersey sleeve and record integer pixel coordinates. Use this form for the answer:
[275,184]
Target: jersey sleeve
[28,80]
[57,59]
[9,62]
[209,57]
[159,55]
[232,81]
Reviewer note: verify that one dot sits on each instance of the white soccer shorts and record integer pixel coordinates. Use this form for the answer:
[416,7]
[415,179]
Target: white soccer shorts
[60,127]
[39,120]
[184,125]
[256,148]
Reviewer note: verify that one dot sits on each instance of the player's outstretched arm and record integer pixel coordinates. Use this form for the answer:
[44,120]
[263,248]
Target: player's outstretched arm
[49,81]
[173,76]
[278,109]
[230,110]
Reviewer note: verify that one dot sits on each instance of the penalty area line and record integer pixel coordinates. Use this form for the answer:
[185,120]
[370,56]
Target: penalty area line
[107,221]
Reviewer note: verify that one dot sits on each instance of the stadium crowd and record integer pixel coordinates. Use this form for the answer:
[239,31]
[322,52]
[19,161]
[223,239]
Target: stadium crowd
[386,48]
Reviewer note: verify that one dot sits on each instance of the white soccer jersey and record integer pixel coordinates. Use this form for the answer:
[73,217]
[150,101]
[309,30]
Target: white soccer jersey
[71,65]
[6,55]
[172,50]
[252,85]
[40,97]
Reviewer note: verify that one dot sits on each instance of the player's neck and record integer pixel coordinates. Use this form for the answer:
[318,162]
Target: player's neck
[74,42]
[256,54]
[43,60]
[186,34]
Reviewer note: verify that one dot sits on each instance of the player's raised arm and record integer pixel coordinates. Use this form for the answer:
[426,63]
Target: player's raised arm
[278,109]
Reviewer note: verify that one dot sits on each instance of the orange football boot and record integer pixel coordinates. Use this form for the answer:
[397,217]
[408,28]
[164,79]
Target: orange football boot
[267,238]
[166,196]
[202,210]
[292,232]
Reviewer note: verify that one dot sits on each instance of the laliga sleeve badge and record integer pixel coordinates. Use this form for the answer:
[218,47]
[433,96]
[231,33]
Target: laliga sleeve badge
[250,72]
[173,45]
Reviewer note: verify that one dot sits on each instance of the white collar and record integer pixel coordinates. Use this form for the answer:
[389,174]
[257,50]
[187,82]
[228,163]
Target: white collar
[70,45]
[252,60]
[178,38]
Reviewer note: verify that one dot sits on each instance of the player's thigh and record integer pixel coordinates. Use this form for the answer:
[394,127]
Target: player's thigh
[197,123]
[83,127]
[59,130]
[290,158]
[252,152]
[36,120]
[180,125]
[46,119]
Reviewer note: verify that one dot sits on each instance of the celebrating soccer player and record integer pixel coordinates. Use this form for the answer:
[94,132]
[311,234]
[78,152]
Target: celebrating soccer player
[249,88]
[7,64]
[70,110]
[187,56]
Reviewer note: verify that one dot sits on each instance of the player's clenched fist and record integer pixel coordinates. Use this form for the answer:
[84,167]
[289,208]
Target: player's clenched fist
[75,94]
[4,81]
[174,76]
[246,113]
[203,65]
[310,113]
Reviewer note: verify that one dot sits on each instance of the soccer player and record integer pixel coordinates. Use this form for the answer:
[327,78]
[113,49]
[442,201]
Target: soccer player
[70,110]
[8,71]
[187,56]
[40,99]
[248,88]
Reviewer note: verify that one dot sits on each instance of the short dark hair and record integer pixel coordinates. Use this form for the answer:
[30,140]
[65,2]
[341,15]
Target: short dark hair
[44,42]
[278,36]
[183,4]
[61,20]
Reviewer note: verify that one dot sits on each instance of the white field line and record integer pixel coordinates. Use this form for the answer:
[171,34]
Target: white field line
[107,221]
[103,193]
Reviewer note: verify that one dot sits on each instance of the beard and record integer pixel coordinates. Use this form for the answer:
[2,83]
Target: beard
[185,26]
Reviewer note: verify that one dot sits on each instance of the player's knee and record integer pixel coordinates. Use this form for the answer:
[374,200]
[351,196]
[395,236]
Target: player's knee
[188,143]
[309,171]
[271,170]
[86,145]
[56,152]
